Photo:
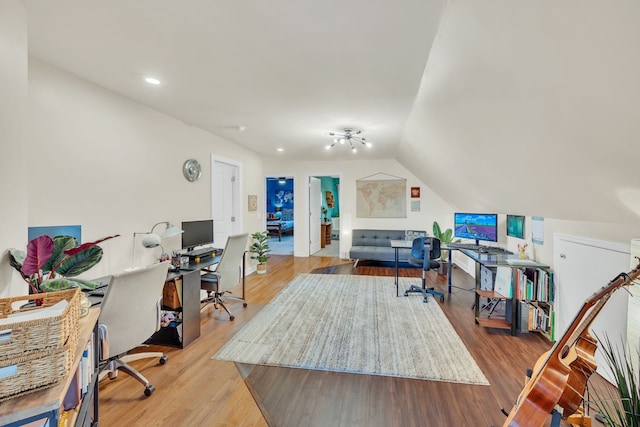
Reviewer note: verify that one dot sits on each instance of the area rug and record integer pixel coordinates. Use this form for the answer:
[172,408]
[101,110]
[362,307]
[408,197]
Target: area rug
[355,324]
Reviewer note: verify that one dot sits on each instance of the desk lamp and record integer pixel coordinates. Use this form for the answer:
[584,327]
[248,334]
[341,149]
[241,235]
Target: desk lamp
[152,240]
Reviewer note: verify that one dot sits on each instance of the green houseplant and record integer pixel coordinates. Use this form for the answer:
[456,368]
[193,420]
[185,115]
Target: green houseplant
[260,247]
[51,264]
[618,406]
[445,237]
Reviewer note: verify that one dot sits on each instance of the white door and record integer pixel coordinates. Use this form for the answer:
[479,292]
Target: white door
[225,200]
[584,266]
[315,202]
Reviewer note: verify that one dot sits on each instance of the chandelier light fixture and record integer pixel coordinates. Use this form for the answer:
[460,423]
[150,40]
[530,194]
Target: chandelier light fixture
[348,137]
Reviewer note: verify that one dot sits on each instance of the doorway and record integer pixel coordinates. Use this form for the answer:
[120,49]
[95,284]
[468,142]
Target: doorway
[279,214]
[324,222]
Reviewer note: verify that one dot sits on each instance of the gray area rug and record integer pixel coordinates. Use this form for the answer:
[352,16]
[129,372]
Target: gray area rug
[355,324]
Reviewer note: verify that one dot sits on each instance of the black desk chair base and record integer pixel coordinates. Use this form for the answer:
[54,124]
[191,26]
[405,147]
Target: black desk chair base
[424,292]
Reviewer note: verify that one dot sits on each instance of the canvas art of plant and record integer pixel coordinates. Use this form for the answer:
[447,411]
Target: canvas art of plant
[51,264]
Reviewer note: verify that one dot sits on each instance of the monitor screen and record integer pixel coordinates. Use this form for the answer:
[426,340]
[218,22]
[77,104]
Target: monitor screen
[515,226]
[476,226]
[197,233]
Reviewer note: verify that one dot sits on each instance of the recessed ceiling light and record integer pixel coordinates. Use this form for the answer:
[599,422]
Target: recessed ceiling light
[280,149]
[152,80]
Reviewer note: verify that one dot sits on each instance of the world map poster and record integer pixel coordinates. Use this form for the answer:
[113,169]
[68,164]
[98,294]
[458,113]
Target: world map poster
[381,198]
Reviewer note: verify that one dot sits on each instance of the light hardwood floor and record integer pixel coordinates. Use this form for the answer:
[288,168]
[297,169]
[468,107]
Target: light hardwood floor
[193,390]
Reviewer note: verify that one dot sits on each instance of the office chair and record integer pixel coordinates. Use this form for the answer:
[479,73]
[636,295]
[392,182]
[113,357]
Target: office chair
[227,274]
[428,261]
[129,315]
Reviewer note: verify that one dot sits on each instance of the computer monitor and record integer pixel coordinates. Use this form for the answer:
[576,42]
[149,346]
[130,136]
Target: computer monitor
[515,226]
[477,226]
[197,233]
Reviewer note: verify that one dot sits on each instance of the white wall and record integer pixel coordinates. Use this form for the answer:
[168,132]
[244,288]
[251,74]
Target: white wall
[433,208]
[115,167]
[14,171]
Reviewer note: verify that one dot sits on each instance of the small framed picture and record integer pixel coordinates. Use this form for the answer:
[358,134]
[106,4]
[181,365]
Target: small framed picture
[253,202]
[415,192]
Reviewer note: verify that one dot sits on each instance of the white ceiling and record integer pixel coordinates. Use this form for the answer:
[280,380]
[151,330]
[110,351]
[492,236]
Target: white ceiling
[290,71]
[524,107]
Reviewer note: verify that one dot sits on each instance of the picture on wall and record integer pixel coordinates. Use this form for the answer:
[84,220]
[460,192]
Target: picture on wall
[253,202]
[381,198]
[415,192]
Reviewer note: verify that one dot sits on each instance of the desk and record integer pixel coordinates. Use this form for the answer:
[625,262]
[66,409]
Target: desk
[169,336]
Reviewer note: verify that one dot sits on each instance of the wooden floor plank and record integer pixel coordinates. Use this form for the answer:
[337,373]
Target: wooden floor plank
[194,390]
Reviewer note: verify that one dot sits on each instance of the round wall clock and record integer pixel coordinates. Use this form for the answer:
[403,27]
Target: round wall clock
[192,170]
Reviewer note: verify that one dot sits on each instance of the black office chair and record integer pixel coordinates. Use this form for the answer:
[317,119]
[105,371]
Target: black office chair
[428,261]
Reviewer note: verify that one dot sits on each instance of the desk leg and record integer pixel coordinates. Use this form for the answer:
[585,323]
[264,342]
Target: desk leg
[449,271]
[396,269]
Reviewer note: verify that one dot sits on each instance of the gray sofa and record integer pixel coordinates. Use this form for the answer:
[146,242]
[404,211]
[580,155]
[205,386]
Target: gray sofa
[375,245]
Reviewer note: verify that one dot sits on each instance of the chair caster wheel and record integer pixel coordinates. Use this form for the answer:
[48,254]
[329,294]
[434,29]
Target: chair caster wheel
[232,317]
[244,304]
[424,300]
[148,391]
[441,299]
[164,359]
[406,294]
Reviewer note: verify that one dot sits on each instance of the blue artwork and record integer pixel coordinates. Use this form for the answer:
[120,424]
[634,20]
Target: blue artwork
[56,230]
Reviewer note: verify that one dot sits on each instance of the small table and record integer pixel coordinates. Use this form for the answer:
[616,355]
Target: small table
[397,245]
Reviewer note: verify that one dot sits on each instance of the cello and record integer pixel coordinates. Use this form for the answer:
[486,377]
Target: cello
[560,375]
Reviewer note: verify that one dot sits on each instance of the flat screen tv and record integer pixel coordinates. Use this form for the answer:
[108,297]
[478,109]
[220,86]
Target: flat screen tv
[197,233]
[477,226]
[515,226]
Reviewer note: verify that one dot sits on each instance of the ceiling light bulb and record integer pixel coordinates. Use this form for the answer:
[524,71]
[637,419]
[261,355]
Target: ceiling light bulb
[280,149]
[368,144]
[342,140]
[353,150]
[328,146]
[152,80]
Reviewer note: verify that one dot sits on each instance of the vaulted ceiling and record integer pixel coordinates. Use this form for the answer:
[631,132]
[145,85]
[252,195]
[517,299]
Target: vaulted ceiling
[512,107]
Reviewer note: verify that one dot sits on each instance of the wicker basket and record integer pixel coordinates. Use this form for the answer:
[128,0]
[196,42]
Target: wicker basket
[38,353]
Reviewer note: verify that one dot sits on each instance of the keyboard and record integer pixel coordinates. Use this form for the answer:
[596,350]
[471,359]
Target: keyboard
[494,250]
[469,246]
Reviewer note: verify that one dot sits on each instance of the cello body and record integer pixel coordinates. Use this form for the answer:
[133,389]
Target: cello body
[560,375]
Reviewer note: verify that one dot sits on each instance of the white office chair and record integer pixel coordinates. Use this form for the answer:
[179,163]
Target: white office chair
[129,315]
[228,273]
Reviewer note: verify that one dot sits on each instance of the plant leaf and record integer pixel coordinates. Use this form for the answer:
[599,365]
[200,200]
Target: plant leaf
[60,245]
[86,246]
[80,262]
[57,284]
[39,251]
[436,230]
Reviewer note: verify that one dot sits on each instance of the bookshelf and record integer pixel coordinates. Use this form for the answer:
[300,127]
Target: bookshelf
[46,406]
[520,285]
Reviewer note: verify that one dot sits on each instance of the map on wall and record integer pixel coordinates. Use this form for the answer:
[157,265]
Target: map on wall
[381,198]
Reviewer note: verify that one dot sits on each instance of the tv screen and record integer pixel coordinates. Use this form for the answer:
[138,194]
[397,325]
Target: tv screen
[476,226]
[197,233]
[515,226]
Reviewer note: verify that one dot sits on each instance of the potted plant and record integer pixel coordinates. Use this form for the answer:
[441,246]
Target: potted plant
[51,264]
[619,405]
[260,247]
[445,237]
